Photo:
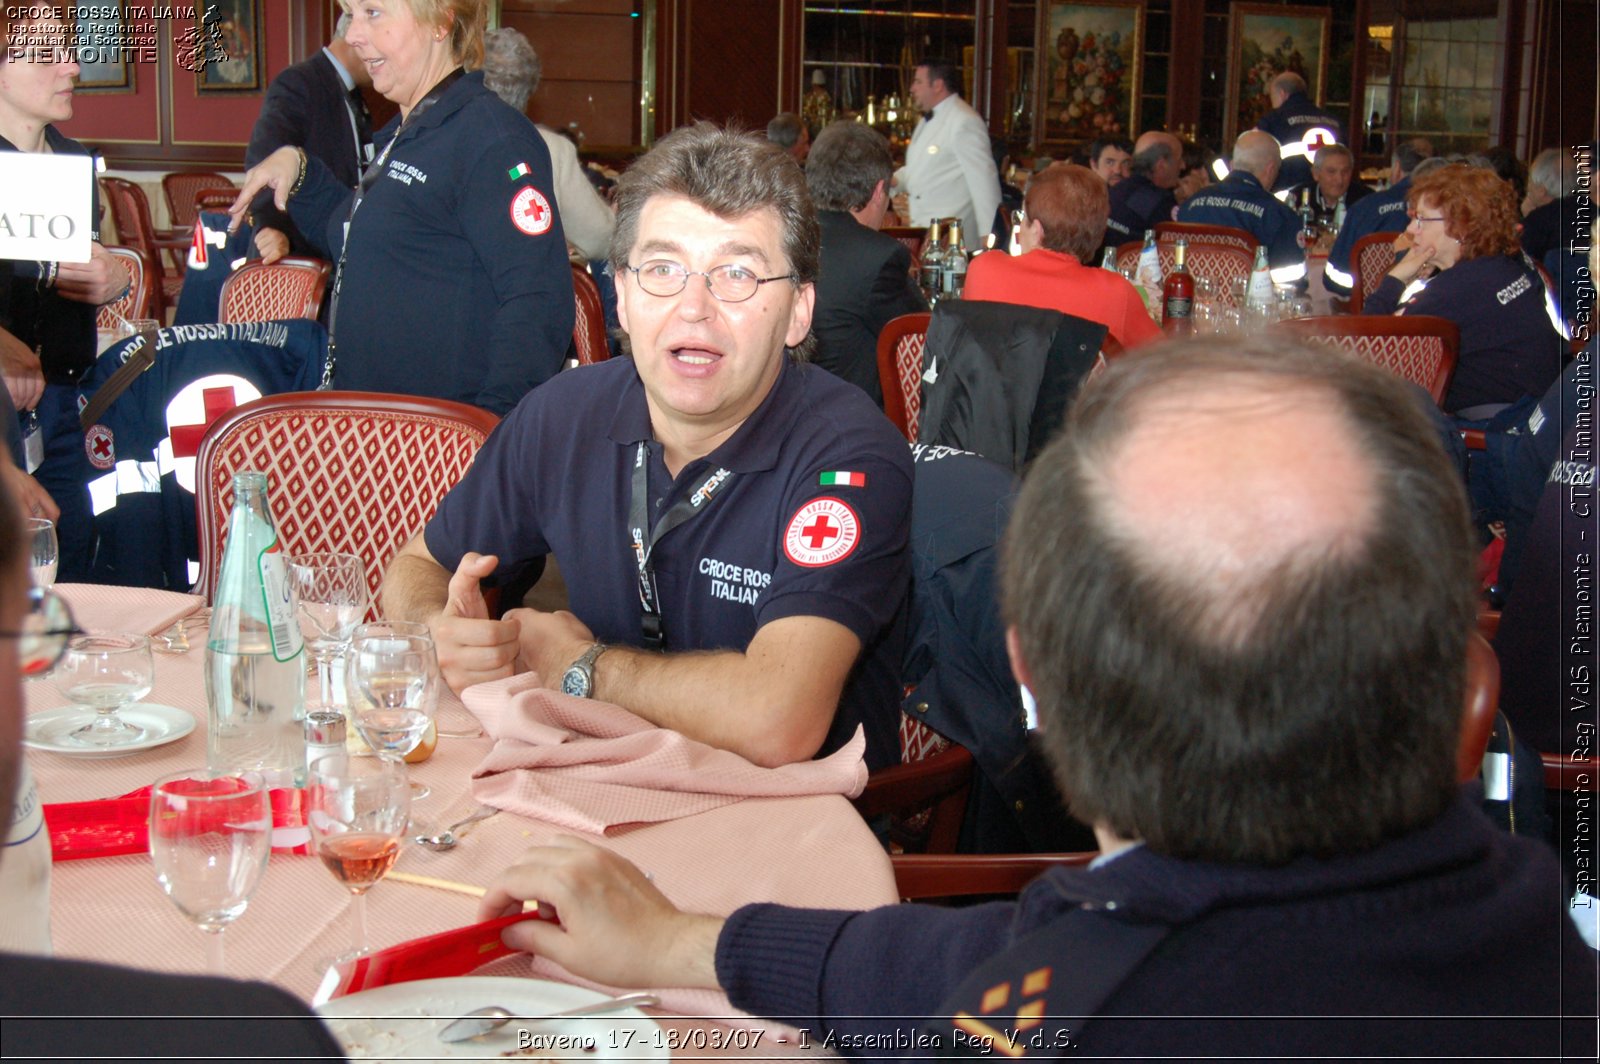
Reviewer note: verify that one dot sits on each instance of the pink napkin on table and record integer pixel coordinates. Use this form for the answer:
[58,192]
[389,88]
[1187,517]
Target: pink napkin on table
[104,608]
[589,766]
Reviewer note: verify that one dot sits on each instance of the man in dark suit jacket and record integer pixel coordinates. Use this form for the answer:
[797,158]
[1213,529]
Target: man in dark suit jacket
[865,276]
[315,105]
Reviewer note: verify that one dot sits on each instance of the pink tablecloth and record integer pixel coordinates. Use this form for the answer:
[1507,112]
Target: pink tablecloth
[808,851]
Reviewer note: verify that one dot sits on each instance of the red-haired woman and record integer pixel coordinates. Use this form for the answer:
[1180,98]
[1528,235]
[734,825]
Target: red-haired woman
[1465,256]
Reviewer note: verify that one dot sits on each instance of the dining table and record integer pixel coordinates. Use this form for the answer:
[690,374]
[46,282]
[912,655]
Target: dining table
[809,850]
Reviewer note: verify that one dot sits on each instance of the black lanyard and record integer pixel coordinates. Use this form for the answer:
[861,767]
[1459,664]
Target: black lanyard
[655,635]
[368,179]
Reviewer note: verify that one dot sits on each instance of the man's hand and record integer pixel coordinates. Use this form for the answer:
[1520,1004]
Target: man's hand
[272,245]
[23,375]
[277,172]
[550,642]
[614,926]
[472,647]
[98,281]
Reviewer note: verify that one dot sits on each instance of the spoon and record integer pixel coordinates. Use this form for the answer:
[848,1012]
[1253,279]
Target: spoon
[446,839]
[480,1022]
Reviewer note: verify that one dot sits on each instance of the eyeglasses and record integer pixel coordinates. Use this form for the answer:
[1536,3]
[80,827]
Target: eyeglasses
[42,639]
[729,284]
[1420,218]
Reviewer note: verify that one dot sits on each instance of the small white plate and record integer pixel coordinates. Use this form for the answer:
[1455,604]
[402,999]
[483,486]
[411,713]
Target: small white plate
[52,729]
[402,1021]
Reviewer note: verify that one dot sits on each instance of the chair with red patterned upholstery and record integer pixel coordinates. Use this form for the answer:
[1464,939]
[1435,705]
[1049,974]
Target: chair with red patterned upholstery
[357,472]
[1371,258]
[924,798]
[130,213]
[912,236]
[180,187]
[1219,252]
[1417,347]
[900,346]
[214,199]
[139,302]
[589,327]
[289,288]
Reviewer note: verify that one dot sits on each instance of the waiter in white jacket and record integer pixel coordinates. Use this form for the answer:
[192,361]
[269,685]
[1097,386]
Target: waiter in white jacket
[949,171]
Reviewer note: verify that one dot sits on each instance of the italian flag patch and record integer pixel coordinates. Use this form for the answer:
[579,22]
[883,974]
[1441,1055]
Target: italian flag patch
[519,170]
[840,478]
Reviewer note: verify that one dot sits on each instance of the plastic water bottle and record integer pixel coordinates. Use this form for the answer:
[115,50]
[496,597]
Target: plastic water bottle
[1149,272]
[1260,295]
[255,656]
[25,873]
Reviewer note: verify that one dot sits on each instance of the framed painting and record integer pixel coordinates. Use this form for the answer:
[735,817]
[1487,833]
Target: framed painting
[228,46]
[1265,40]
[104,49]
[1087,71]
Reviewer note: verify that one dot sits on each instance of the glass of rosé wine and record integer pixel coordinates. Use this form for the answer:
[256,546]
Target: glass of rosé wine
[357,808]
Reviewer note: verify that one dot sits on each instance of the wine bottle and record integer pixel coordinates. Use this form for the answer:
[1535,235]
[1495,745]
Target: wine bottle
[931,265]
[1177,293]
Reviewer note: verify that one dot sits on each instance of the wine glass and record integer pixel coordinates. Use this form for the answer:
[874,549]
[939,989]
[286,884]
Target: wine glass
[210,835]
[44,551]
[106,672]
[332,593]
[392,685]
[357,810]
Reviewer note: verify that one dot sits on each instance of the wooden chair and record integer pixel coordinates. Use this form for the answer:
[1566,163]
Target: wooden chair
[1371,258]
[1219,252]
[214,199]
[900,346]
[359,472]
[1416,347]
[180,187]
[289,288]
[912,236]
[130,213]
[139,302]
[925,796]
[589,327]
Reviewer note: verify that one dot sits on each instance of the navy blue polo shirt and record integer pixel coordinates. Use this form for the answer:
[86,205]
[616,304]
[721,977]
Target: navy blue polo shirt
[1381,212]
[1137,204]
[1238,200]
[775,541]
[1289,125]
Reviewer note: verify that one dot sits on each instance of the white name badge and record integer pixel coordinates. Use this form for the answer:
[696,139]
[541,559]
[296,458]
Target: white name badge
[47,206]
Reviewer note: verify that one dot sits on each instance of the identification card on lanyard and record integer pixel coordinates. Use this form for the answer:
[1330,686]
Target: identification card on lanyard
[651,623]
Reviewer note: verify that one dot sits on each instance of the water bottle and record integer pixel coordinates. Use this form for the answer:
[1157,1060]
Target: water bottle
[1260,295]
[25,873]
[255,659]
[1149,272]
[1108,261]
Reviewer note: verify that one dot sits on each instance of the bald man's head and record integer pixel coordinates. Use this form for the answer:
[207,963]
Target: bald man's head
[1237,557]
[1159,156]
[1258,153]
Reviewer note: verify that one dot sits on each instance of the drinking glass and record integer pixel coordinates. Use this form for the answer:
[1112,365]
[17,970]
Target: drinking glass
[357,810]
[105,673]
[210,835]
[392,687]
[332,593]
[1205,290]
[44,551]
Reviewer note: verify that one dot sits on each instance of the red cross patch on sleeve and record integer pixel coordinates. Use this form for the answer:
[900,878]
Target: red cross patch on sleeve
[823,531]
[530,211]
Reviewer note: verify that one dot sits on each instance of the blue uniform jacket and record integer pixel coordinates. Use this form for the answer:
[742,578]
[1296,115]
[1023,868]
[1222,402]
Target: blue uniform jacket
[456,281]
[1240,201]
[1136,205]
[774,541]
[1289,125]
[1381,212]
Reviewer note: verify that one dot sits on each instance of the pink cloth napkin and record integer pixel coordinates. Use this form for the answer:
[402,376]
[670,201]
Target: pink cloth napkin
[589,766]
[104,608]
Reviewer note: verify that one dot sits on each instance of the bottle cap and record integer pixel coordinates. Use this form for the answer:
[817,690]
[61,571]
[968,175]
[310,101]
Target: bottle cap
[325,729]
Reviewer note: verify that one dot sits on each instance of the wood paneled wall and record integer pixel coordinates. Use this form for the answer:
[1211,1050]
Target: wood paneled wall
[590,50]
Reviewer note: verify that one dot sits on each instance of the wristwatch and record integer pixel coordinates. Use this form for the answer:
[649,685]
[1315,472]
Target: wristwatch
[578,680]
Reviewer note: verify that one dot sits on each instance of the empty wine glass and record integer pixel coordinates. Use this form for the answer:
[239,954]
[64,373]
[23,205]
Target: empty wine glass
[210,835]
[332,593]
[392,686]
[357,810]
[44,551]
[106,672]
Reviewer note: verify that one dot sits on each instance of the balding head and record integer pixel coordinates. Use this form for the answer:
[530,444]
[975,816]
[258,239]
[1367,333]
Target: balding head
[1238,556]
[1159,156]
[1284,86]
[1258,153]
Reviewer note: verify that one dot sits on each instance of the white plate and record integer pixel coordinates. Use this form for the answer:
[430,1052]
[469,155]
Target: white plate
[52,729]
[403,1021]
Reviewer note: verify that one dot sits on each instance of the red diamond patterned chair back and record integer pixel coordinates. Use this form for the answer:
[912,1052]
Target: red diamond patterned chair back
[359,472]
[1371,258]
[1219,252]
[912,236]
[138,302]
[130,213]
[289,288]
[179,187]
[900,346]
[1417,347]
[589,327]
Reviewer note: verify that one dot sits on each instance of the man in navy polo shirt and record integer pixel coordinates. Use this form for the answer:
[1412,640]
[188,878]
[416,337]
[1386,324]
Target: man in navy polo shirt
[1299,125]
[1381,212]
[1145,197]
[732,524]
[1242,201]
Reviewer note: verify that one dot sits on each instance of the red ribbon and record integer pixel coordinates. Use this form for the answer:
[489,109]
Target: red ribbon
[116,827]
[441,956]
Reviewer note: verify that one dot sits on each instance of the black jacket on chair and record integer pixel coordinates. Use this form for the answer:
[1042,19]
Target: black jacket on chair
[864,281]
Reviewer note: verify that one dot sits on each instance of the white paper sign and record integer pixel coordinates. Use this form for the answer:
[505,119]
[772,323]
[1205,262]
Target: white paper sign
[45,212]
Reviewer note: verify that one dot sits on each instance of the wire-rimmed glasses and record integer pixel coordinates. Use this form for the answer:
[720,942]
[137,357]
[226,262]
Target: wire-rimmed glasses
[42,639]
[729,283]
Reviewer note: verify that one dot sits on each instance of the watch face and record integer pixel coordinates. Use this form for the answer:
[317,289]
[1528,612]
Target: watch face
[575,683]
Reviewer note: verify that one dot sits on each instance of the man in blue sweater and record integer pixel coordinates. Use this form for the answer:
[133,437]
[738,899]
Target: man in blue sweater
[1239,586]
